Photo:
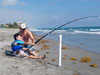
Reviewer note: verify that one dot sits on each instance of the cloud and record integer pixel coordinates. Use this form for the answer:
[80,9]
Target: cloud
[9,2]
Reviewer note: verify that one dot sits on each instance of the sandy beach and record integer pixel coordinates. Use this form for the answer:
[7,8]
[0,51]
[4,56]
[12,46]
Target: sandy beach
[72,62]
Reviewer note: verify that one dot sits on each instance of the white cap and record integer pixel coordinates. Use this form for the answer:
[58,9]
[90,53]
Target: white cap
[22,25]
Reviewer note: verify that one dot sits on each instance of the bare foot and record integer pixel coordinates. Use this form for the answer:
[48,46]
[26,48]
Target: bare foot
[44,57]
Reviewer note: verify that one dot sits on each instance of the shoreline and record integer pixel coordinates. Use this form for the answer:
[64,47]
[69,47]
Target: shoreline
[71,57]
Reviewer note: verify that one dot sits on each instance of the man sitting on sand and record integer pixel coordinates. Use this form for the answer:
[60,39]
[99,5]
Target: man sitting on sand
[26,36]
[20,51]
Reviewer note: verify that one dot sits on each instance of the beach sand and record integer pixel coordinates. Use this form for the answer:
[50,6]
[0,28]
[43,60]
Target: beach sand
[71,57]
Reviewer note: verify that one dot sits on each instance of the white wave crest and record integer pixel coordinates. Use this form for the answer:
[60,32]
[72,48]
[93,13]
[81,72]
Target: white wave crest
[85,32]
[91,31]
[96,30]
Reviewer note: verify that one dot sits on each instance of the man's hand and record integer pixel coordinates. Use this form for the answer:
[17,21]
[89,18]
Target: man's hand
[33,44]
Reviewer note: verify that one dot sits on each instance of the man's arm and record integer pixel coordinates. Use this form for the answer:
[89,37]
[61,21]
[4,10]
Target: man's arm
[28,43]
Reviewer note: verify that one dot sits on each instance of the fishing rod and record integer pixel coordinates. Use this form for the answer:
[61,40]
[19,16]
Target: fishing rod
[64,25]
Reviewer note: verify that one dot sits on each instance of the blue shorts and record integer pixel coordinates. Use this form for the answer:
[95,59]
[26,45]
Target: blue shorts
[17,48]
[29,47]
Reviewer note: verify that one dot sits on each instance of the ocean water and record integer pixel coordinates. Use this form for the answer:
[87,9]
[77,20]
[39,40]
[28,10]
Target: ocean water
[87,38]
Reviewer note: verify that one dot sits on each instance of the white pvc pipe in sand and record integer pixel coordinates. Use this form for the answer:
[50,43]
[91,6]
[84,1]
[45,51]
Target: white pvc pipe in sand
[60,49]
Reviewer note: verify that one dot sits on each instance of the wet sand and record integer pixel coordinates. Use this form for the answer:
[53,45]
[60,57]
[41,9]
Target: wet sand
[71,57]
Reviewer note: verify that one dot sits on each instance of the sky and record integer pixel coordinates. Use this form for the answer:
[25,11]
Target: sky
[49,13]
